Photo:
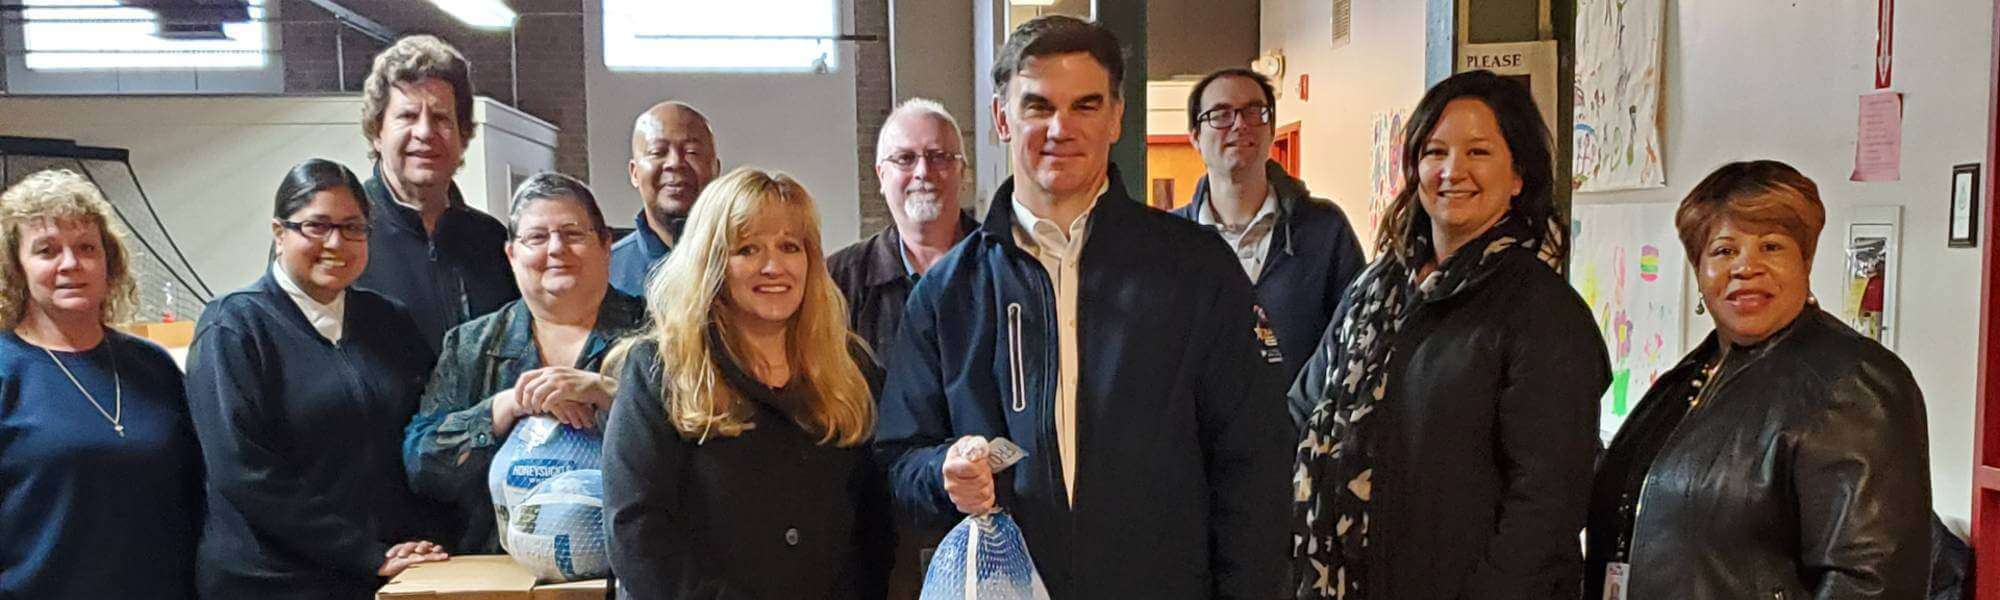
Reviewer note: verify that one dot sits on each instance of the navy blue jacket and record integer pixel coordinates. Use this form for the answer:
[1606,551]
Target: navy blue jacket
[1184,449]
[1314,255]
[443,277]
[301,440]
[634,255]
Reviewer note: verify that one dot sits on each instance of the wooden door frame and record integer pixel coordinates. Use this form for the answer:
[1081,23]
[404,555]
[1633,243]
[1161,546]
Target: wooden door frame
[1986,439]
[1289,132]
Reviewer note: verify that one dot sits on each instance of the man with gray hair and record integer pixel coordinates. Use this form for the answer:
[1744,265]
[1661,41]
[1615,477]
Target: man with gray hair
[673,159]
[921,164]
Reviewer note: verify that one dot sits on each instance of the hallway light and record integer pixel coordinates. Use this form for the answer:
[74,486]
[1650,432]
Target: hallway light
[1032,2]
[483,14]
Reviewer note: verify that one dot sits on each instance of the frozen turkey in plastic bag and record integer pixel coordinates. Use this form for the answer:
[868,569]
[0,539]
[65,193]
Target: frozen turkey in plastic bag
[983,558]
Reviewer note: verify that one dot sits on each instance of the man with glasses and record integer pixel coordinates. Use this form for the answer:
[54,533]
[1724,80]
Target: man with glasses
[673,160]
[1299,251]
[919,162]
[1112,343]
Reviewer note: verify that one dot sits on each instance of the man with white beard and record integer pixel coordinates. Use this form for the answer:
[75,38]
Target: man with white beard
[918,159]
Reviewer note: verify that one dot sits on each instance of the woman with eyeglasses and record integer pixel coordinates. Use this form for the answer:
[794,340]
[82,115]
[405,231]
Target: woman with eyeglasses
[100,478]
[540,355]
[300,387]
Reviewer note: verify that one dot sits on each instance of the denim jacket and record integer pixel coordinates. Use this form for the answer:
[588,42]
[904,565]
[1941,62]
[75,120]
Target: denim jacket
[448,447]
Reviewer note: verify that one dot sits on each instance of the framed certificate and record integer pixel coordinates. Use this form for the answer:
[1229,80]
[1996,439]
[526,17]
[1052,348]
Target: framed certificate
[1964,228]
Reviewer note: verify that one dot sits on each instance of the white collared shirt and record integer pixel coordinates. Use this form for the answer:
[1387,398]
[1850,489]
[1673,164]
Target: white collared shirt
[1061,251]
[1252,243]
[330,319]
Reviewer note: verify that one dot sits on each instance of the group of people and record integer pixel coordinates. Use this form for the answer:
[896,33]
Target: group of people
[1226,401]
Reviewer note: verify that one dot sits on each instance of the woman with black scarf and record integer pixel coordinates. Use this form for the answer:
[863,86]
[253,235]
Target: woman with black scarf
[1453,402]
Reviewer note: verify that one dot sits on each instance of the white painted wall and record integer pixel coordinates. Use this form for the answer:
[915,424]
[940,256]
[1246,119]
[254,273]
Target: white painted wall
[212,164]
[1781,80]
[1745,80]
[1380,70]
[800,123]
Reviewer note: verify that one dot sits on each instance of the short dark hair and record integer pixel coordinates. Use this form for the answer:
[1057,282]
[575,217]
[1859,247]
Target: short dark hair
[311,177]
[1059,34]
[1763,193]
[1263,83]
[1527,139]
[550,185]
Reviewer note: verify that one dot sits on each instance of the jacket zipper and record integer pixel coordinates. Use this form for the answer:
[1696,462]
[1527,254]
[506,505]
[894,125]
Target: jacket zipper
[1015,371]
[1702,396]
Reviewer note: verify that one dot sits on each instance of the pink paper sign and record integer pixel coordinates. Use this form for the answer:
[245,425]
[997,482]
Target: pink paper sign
[1878,147]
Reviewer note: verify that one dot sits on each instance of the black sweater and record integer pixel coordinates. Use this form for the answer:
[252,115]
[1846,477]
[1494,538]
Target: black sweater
[301,439]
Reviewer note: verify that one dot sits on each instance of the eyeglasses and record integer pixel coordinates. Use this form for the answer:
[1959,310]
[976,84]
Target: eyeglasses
[1225,117]
[938,159]
[318,230]
[569,236]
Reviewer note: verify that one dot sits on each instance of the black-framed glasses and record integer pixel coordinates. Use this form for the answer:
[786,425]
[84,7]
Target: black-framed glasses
[354,232]
[1225,117]
[938,159]
[540,238]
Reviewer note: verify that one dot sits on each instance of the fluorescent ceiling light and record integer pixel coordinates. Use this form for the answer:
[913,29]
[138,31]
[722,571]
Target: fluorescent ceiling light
[1032,2]
[485,14]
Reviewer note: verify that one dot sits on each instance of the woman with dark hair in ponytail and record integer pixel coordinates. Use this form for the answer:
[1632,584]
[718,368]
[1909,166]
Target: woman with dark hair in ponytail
[300,387]
[1453,402]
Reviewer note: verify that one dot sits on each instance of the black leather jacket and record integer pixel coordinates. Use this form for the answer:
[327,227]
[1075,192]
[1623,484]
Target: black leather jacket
[1805,474]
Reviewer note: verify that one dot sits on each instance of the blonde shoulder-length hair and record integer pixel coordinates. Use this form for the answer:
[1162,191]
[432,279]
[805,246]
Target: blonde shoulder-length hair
[684,298]
[58,195]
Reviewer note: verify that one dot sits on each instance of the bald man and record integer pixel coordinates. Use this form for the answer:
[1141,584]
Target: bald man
[673,159]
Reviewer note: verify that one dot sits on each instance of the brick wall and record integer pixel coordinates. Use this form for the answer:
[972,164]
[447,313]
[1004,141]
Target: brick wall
[547,40]
[873,99]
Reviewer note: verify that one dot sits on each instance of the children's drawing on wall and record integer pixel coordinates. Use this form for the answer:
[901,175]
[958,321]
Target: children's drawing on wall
[1627,265]
[1867,286]
[1619,55]
[1385,173]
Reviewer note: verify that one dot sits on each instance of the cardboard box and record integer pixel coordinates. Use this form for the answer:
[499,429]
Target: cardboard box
[177,334]
[492,577]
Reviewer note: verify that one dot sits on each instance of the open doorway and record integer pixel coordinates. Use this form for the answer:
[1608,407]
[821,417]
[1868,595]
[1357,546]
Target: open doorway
[1174,167]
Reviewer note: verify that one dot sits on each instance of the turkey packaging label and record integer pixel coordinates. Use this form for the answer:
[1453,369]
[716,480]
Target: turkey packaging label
[537,449]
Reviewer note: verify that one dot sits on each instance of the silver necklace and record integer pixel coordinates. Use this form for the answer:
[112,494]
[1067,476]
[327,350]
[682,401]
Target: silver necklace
[117,389]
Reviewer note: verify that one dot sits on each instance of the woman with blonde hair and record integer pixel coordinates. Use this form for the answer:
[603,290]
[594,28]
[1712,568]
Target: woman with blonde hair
[735,455]
[100,481]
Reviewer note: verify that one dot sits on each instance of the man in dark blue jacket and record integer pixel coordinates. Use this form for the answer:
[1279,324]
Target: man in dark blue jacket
[442,259]
[1108,341]
[673,160]
[1299,251]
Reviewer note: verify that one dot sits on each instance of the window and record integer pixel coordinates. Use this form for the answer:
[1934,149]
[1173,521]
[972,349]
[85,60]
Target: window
[704,35]
[104,46]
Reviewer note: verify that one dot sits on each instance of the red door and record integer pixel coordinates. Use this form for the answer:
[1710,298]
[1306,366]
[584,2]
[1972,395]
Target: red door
[1986,466]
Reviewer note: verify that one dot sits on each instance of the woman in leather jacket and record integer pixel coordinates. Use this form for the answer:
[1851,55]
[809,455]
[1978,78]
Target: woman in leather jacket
[1786,457]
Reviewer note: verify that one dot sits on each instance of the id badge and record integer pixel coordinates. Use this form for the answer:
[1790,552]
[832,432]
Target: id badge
[1615,575]
[1267,338]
